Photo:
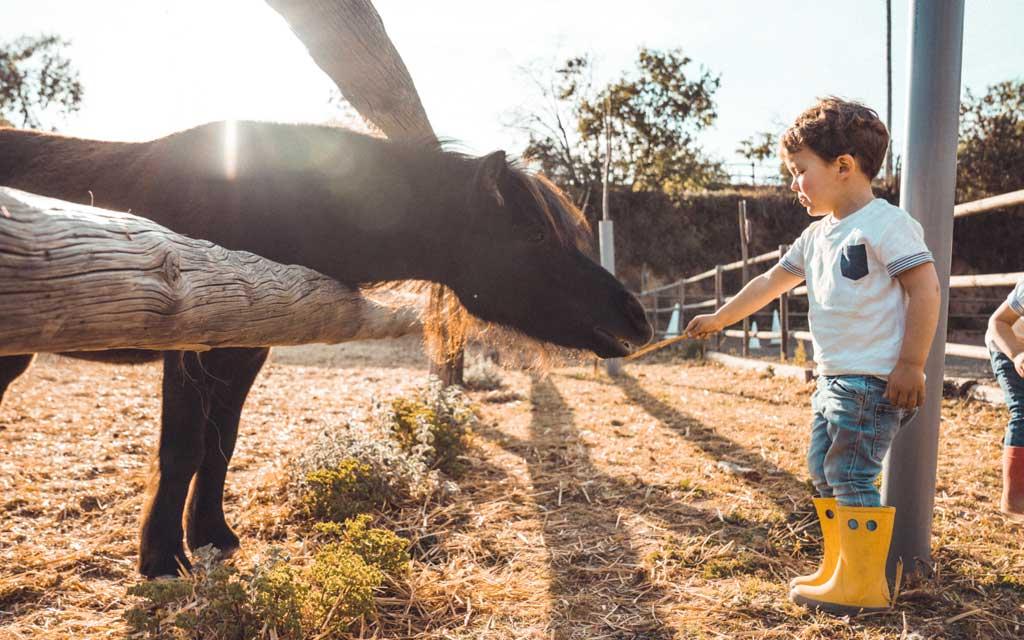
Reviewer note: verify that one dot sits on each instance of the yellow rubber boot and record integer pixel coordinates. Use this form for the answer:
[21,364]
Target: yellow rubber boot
[826,508]
[858,583]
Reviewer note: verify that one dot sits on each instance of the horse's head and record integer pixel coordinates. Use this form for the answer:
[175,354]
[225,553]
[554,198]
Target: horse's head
[522,264]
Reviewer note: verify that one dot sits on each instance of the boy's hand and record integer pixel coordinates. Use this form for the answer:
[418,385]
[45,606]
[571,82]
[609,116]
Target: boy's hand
[906,386]
[704,325]
[1018,364]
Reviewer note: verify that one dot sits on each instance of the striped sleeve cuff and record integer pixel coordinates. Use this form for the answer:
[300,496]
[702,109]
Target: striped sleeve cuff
[900,265]
[792,268]
[1016,305]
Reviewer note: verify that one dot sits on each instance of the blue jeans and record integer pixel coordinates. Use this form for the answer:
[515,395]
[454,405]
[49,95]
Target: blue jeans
[851,431]
[1013,390]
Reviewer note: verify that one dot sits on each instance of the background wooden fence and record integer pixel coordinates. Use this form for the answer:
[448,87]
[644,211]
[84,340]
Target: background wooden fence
[660,302]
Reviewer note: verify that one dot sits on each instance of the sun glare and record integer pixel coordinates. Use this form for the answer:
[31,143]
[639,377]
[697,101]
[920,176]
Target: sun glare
[231,149]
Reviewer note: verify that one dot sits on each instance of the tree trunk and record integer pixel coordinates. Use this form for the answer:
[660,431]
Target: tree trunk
[346,38]
[77,278]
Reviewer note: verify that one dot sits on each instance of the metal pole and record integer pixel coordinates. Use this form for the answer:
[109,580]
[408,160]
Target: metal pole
[888,90]
[745,254]
[929,175]
[783,315]
[607,237]
[605,226]
[718,302]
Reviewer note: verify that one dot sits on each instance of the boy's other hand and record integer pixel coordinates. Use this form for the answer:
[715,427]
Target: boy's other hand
[704,325]
[906,386]
[1018,364]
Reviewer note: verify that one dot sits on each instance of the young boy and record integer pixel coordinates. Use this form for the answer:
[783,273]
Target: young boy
[1005,340]
[873,298]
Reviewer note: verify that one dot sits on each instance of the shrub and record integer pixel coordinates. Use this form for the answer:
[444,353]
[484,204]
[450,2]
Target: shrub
[340,492]
[378,547]
[216,601]
[483,375]
[355,468]
[341,588]
[433,426]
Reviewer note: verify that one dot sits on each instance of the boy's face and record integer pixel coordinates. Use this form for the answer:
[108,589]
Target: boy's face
[816,181]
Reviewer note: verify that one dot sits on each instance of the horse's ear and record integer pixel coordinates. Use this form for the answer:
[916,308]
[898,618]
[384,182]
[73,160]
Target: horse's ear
[492,169]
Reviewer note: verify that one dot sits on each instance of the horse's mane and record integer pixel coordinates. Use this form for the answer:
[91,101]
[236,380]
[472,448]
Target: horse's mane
[447,326]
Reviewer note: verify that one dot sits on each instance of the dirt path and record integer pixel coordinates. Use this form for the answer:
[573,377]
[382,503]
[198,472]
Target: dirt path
[670,503]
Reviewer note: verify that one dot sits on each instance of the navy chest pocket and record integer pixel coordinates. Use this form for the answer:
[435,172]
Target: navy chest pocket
[854,261]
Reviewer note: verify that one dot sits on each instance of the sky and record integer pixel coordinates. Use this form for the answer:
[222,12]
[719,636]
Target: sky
[152,67]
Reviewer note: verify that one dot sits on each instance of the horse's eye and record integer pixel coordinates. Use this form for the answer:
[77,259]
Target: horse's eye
[537,236]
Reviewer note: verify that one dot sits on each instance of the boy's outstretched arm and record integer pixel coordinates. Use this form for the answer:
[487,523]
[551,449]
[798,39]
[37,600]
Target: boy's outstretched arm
[1001,328]
[906,381]
[758,292]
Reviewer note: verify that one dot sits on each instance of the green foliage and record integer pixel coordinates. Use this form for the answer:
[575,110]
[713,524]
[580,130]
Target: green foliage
[214,602]
[433,426]
[990,156]
[378,547]
[990,161]
[37,81]
[219,602]
[653,117]
[341,588]
[339,492]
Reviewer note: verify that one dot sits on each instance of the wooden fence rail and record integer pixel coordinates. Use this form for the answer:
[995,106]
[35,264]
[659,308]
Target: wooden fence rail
[676,291]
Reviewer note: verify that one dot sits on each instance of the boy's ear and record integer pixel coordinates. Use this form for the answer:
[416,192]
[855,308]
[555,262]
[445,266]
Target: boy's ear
[846,164]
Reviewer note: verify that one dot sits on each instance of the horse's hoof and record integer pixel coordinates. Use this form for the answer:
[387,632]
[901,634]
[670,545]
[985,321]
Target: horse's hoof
[174,566]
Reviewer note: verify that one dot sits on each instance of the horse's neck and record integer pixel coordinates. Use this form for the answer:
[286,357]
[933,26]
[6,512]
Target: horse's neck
[393,227]
[67,168]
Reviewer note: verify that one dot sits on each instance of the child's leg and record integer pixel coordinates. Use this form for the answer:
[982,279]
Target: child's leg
[1012,501]
[1013,391]
[819,446]
[862,424]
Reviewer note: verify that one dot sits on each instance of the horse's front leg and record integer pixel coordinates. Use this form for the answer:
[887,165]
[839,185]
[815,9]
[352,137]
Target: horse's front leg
[10,368]
[229,376]
[179,454]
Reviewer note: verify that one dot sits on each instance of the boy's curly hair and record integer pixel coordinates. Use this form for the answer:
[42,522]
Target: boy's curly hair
[835,126]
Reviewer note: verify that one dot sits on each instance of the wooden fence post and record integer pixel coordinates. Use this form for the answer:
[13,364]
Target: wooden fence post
[718,301]
[682,306]
[657,314]
[784,314]
[745,255]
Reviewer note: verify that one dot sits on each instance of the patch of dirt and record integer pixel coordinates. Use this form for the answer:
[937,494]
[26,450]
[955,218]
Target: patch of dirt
[672,502]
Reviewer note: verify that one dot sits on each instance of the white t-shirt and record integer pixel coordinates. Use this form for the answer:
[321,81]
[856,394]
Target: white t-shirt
[857,308]
[1016,302]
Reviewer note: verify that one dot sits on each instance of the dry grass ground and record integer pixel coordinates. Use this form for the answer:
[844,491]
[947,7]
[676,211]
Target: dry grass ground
[593,508]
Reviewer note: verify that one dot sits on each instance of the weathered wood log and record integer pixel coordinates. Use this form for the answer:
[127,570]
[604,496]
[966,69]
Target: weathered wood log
[347,40]
[78,278]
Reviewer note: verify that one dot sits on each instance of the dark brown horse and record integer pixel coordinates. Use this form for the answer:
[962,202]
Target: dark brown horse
[359,209]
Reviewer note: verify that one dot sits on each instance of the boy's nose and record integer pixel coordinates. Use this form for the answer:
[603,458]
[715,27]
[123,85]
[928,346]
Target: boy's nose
[792,185]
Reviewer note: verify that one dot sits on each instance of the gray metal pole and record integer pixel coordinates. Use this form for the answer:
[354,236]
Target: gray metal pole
[607,239]
[605,232]
[745,275]
[929,175]
[888,90]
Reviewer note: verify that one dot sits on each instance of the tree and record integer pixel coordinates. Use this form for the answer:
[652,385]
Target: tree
[654,116]
[36,80]
[990,154]
[757,149]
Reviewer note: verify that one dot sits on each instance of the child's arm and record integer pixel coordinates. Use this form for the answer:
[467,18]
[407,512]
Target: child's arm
[1001,328]
[758,292]
[906,381]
